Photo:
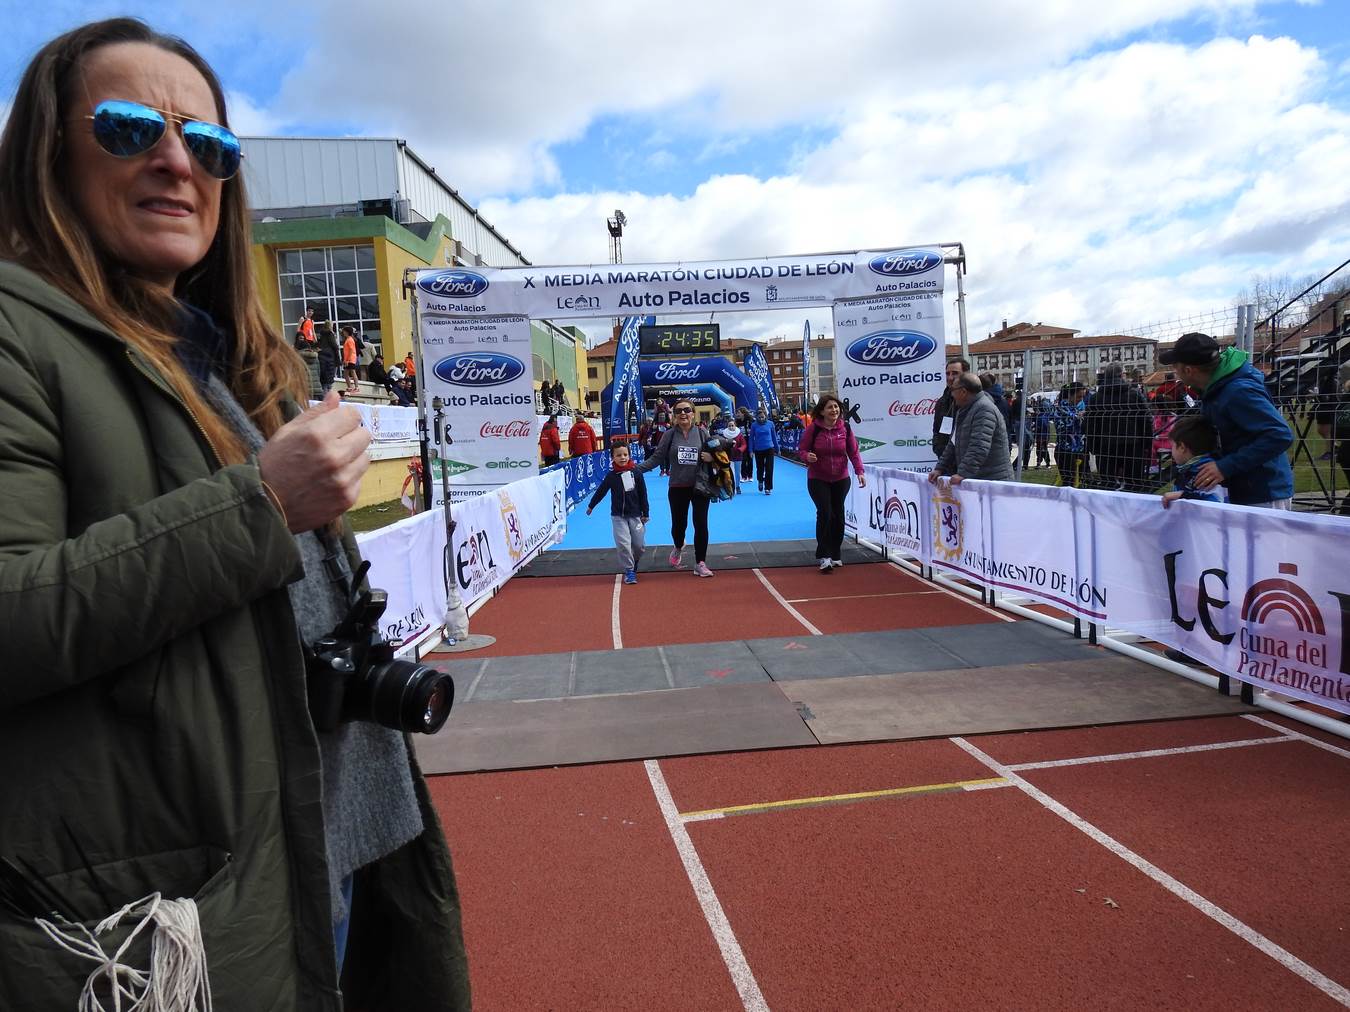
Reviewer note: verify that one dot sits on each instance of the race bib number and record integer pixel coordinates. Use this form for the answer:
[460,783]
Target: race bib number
[627,479]
[686,454]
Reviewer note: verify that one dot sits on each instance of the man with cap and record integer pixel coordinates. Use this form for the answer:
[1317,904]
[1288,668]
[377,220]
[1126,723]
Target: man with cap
[1253,435]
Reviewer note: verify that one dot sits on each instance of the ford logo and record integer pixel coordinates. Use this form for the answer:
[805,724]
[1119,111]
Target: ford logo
[901,263]
[455,284]
[478,369]
[891,347]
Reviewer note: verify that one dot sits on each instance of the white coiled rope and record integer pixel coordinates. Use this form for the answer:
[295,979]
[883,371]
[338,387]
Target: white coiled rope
[176,980]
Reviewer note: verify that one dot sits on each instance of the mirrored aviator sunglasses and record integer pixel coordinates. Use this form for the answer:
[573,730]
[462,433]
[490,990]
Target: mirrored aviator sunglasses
[127,129]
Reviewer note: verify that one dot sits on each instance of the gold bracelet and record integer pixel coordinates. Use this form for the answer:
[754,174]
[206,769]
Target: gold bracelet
[276,501]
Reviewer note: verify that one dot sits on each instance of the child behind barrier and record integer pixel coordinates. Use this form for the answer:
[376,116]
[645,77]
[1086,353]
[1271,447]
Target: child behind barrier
[1193,444]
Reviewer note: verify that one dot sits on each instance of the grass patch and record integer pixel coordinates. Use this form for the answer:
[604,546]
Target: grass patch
[377,515]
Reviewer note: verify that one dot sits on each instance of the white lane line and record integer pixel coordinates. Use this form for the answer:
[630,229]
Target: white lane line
[960,597]
[614,613]
[861,597]
[1297,734]
[572,675]
[1148,754]
[665,665]
[784,602]
[746,985]
[473,686]
[1183,892]
[703,817]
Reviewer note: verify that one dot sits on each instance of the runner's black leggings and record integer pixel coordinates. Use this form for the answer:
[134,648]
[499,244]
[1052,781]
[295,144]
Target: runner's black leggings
[680,501]
[764,461]
[829,498]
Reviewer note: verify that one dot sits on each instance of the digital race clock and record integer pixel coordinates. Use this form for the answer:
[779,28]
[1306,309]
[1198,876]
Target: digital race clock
[680,338]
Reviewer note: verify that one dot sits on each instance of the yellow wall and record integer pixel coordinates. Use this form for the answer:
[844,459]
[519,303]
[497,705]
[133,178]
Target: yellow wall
[384,481]
[395,310]
[265,277]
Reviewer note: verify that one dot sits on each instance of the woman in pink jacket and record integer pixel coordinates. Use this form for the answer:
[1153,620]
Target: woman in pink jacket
[827,445]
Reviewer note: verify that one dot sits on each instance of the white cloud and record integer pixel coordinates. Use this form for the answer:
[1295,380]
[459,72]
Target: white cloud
[247,118]
[1081,192]
[472,83]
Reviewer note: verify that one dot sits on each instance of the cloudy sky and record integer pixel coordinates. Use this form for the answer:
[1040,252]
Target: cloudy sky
[1107,165]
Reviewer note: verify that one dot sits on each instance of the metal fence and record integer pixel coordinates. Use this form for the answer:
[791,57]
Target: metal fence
[1116,433]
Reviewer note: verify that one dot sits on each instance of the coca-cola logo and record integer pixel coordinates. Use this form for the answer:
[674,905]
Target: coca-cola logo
[507,430]
[926,406]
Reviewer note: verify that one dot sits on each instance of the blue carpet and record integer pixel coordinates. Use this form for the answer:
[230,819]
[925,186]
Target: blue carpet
[787,515]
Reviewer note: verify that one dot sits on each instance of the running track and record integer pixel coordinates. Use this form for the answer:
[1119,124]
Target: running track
[1184,864]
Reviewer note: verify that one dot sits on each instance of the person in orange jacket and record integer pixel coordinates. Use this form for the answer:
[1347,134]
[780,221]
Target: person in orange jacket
[582,437]
[550,441]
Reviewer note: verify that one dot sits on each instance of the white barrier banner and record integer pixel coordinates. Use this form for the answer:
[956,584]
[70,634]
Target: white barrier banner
[496,534]
[788,282]
[388,422]
[1262,595]
[889,357]
[481,371]
[405,561]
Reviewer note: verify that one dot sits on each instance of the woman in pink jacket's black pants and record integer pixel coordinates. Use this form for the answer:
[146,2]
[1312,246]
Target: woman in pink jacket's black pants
[827,445]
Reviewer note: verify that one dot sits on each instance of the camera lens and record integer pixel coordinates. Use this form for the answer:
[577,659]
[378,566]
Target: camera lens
[409,697]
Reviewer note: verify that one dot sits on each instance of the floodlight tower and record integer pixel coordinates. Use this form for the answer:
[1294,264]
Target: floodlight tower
[616,225]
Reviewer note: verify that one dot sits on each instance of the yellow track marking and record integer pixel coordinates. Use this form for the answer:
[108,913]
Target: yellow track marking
[892,792]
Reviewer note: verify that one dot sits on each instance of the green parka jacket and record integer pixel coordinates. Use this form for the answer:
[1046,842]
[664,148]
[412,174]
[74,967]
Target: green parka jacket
[152,695]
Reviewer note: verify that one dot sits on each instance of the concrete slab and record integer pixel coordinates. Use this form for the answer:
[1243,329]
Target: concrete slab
[609,671]
[925,704]
[694,664]
[983,644]
[645,725]
[895,650]
[539,676]
[788,658]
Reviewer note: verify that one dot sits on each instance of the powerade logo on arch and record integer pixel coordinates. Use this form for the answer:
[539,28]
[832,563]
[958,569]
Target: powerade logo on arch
[478,369]
[891,348]
[904,263]
[453,284]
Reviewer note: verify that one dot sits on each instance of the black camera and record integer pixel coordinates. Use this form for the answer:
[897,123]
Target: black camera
[354,675]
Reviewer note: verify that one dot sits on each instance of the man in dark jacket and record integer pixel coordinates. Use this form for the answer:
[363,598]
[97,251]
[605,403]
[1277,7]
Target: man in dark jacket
[1253,435]
[1119,432]
[944,417]
[979,446]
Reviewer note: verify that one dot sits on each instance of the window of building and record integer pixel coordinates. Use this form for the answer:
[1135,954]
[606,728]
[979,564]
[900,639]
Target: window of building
[339,282]
[592,372]
[1059,358]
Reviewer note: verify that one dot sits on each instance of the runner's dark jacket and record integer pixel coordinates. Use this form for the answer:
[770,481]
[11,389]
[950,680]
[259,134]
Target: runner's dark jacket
[152,695]
[621,503]
[666,455]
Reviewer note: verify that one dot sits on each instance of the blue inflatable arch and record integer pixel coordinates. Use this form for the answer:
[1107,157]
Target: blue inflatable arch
[699,373]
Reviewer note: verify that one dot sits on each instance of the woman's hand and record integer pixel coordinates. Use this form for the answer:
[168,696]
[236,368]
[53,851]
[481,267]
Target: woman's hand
[862,481]
[933,476]
[588,511]
[314,464]
[811,458]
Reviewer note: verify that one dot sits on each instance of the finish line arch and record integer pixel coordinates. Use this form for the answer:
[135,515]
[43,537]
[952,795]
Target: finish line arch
[473,337]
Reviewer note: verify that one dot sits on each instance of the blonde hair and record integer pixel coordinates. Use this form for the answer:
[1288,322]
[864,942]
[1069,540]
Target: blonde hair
[40,229]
